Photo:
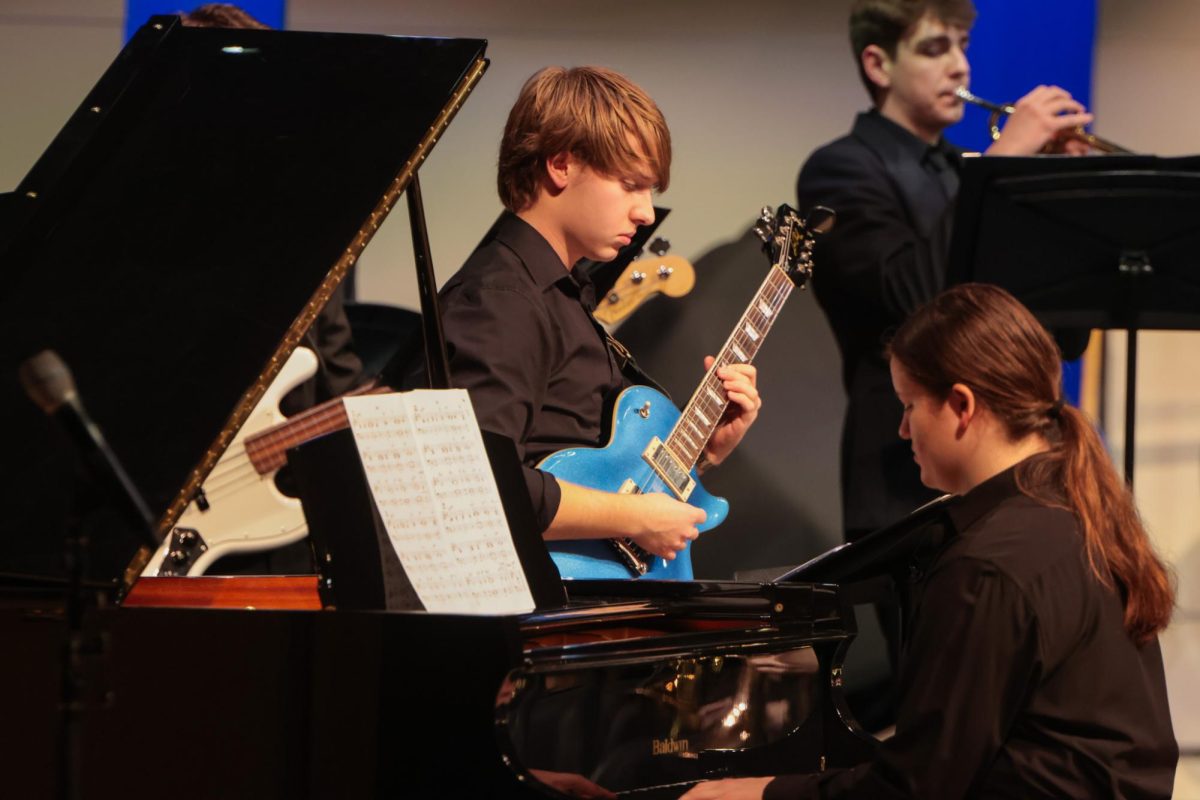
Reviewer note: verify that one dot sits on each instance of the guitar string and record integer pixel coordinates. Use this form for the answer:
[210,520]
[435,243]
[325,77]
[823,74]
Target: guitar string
[240,470]
[774,293]
[270,442]
[236,469]
[769,293]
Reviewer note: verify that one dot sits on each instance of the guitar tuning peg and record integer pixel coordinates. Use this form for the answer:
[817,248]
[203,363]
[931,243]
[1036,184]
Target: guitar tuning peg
[765,224]
[660,246]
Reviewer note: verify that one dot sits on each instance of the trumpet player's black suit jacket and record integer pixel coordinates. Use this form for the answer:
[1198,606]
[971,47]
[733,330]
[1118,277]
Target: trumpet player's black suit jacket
[886,255]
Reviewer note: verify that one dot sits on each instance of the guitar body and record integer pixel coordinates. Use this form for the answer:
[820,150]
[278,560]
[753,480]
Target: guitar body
[246,512]
[640,415]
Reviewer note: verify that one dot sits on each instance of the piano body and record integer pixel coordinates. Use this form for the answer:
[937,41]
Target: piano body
[172,245]
[639,694]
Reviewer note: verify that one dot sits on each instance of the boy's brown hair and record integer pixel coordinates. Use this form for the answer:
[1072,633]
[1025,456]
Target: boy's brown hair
[885,22]
[595,114]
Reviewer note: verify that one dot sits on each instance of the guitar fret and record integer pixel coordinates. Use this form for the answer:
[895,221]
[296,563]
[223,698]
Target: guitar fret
[704,411]
[268,450]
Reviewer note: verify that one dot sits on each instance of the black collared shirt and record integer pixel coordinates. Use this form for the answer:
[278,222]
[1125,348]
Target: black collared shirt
[1019,679]
[935,158]
[885,257]
[523,343]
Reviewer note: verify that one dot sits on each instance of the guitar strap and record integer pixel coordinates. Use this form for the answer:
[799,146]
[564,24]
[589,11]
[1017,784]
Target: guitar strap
[624,360]
[627,364]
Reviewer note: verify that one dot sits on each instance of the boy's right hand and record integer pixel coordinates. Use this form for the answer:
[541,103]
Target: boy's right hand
[666,524]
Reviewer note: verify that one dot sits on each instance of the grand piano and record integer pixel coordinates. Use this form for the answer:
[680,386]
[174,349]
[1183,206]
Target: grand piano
[172,245]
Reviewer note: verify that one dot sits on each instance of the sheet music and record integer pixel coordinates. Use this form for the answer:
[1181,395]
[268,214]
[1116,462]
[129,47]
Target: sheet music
[429,474]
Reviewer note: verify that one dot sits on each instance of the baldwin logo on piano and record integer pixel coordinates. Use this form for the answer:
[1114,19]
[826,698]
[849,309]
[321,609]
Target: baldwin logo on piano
[668,747]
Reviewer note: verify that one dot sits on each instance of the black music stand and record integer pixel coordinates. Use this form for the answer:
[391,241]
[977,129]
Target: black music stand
[1099,242]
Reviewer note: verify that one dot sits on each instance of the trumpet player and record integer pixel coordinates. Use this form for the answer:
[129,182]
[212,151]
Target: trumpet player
[893,180]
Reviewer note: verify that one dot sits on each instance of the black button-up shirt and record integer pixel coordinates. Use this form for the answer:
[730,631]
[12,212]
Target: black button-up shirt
[885,257]
[1019,679]
[523,343]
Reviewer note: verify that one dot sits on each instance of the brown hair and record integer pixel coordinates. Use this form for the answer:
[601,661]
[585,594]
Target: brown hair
[981,336]
[593,113]
[220,15]
[885,22]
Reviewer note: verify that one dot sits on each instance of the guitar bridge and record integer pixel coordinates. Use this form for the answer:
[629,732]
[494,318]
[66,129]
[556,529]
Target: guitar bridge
[631,555]
[628,551]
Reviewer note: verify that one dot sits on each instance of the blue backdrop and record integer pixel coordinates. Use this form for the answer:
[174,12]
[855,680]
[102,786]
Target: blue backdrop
[1016,45]
[268,12]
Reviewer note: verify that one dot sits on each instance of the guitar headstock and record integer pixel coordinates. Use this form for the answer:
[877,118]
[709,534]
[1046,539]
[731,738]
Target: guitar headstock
[788,239]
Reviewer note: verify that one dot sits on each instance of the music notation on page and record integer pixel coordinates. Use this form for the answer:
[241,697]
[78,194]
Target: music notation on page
[428,471]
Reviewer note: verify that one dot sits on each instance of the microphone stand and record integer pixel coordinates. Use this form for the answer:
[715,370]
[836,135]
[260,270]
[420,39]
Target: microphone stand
[50,385]
[71,683]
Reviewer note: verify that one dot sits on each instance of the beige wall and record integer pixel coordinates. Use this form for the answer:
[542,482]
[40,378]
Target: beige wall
[745,97]
[51,53]
[1147,57]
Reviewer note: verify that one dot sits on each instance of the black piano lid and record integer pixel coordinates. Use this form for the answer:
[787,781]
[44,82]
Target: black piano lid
[182,231]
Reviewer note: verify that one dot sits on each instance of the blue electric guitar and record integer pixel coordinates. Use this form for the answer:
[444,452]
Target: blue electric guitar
[654,447]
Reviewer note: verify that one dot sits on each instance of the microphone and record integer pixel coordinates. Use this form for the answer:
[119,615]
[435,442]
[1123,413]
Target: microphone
[49,384]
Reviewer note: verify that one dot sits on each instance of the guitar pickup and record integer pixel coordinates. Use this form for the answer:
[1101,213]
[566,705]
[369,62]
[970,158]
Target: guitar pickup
[677,478]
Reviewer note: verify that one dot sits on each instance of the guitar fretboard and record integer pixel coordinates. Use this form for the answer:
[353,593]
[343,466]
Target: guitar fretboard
[704,411]
[268,450]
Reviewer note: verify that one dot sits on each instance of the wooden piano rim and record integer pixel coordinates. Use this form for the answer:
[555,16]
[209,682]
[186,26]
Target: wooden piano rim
[615,622]
[267,592]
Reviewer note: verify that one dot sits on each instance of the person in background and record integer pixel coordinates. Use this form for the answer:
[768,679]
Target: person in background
[893,180]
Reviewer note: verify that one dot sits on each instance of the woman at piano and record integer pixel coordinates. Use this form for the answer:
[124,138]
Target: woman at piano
[1032,667]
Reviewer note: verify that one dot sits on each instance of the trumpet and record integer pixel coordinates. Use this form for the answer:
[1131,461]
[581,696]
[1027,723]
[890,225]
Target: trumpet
[1003,110]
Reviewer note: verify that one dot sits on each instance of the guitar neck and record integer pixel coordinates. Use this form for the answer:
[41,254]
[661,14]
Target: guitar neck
[703,412]
[268,449]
